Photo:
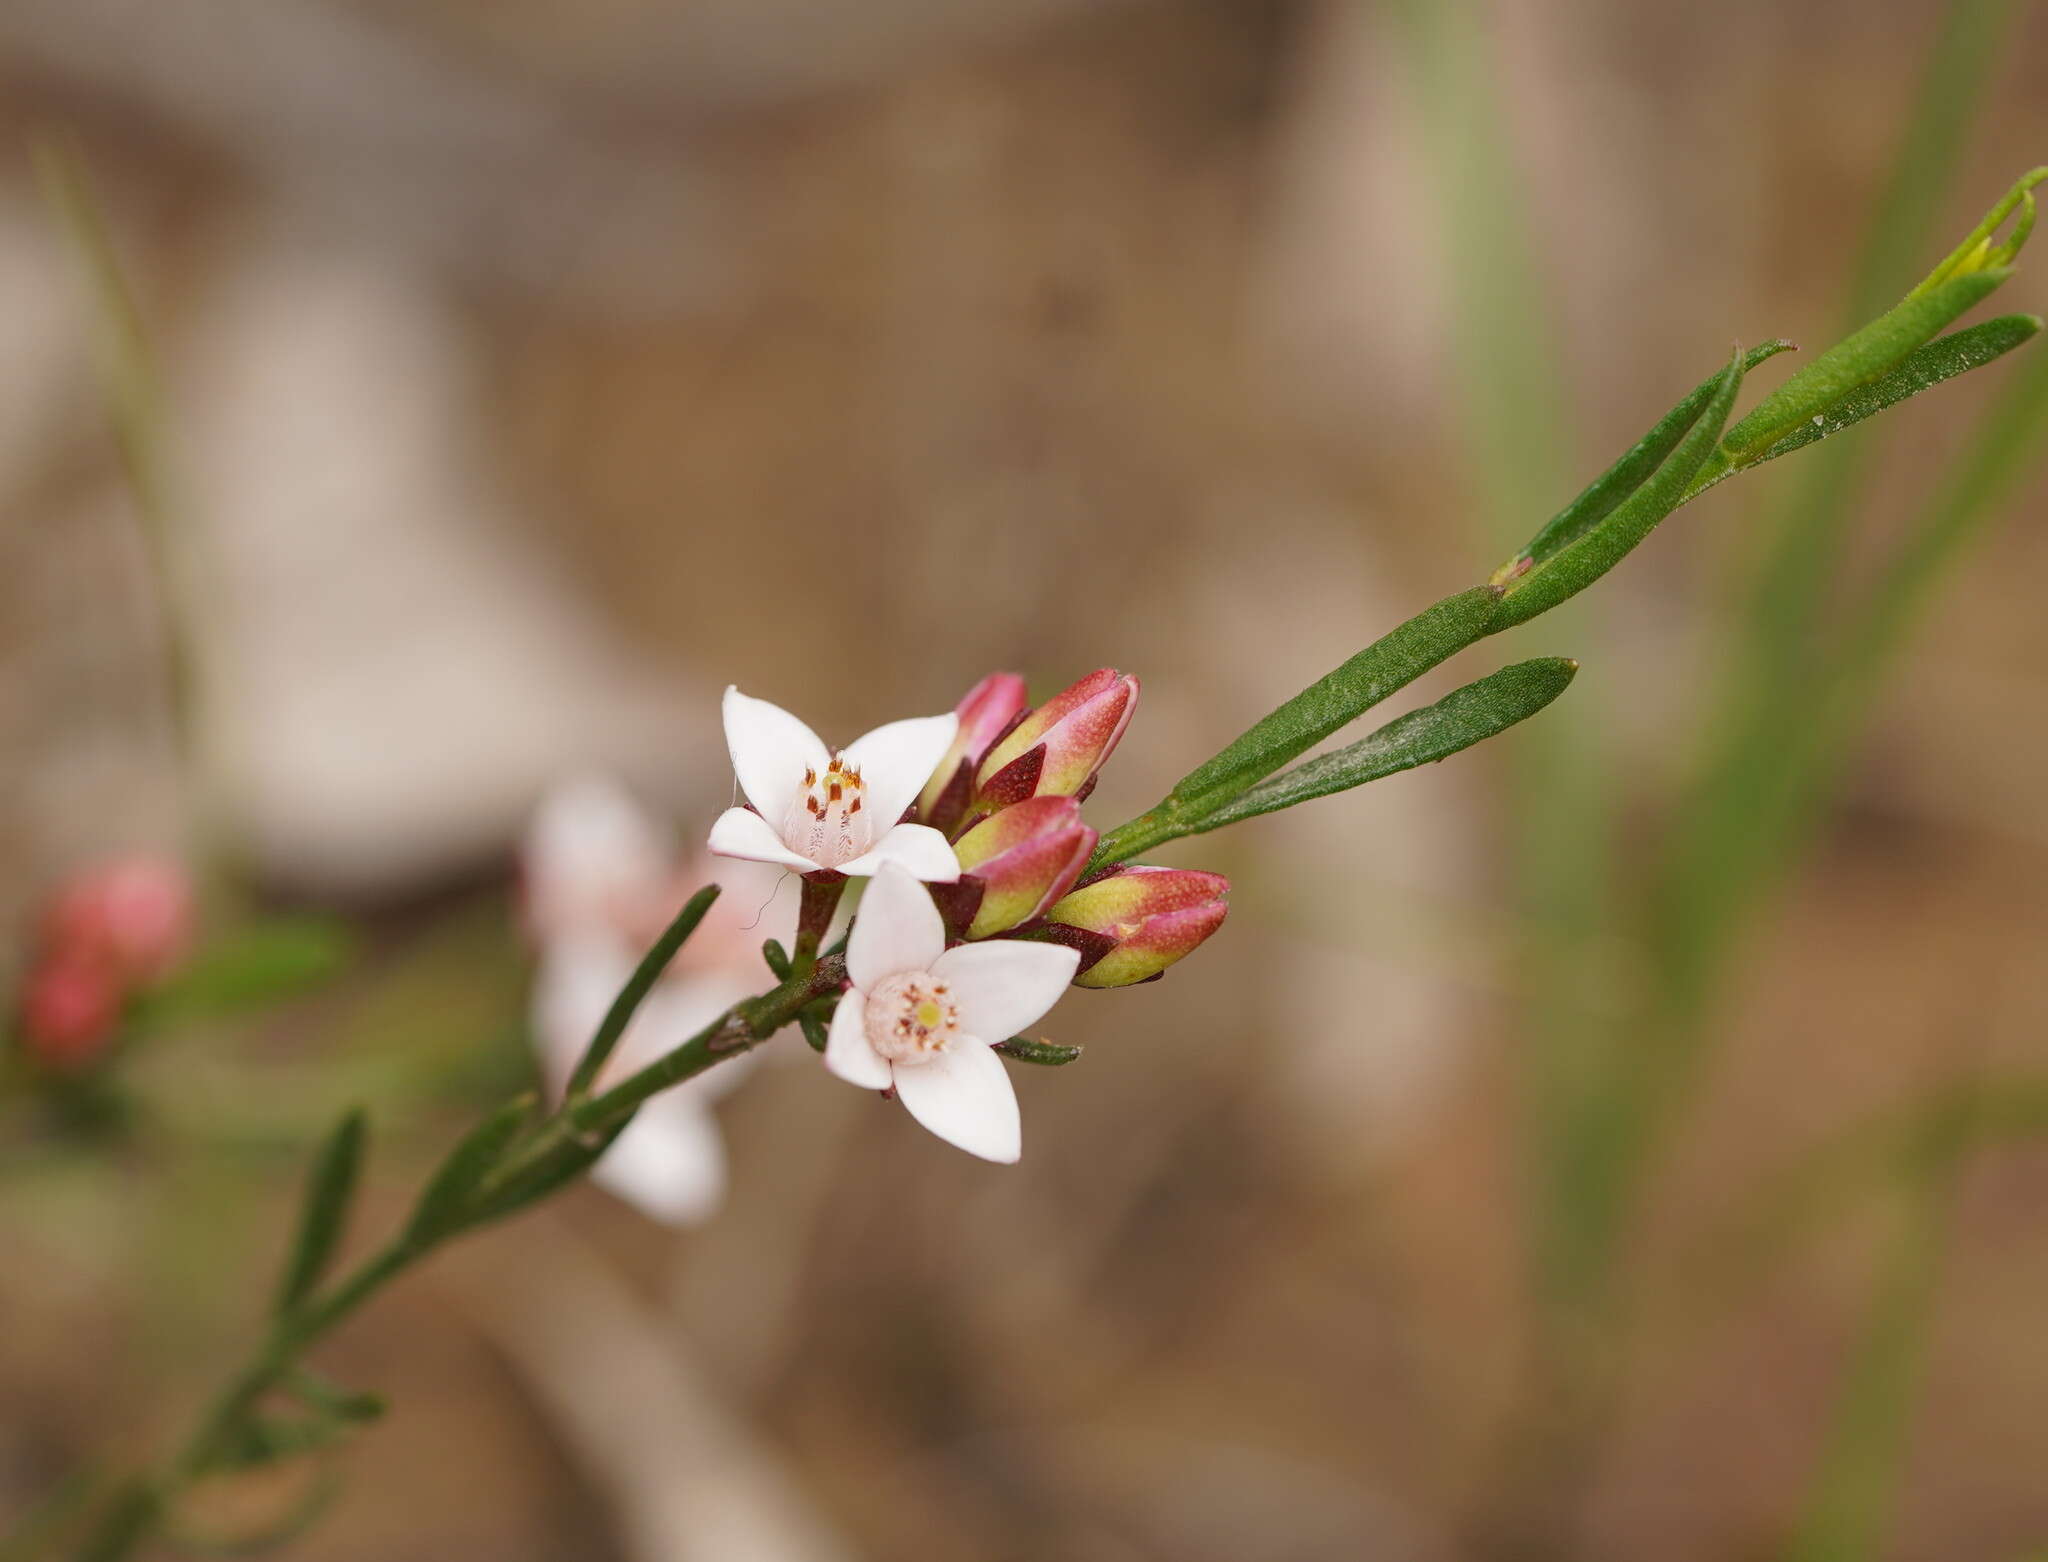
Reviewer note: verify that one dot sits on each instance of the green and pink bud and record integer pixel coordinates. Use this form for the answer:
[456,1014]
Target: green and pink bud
[1057,749]
[987,711]
[1024,859]
[1132,924]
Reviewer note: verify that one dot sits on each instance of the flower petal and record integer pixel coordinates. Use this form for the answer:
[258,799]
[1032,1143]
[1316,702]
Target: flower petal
[895,761]
[847,1051]
[740,832]
[669,1163]
[1005,985]
[965,1097]
[917,848]
[771,749]
[897,928]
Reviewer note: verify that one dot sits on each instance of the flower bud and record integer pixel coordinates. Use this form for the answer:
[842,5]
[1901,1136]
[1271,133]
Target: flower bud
[1133,924]
[69,1007]
[1056,750]
[133,915]
[986,712]
[1025,858]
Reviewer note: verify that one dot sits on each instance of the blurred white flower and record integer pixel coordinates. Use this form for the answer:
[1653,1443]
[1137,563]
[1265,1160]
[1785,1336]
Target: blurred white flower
[921,1017]
[601,881]
[816,810]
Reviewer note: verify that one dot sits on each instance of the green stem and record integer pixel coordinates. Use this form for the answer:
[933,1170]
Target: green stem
[541,1167]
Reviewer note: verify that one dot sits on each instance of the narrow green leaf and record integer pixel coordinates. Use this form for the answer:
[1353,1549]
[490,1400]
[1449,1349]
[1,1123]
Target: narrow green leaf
[446,1205]
[1941,359]
[1858,359]
[1566,573]
[1977,252]
[1388,665]
[620,1015]
[323,1394]
[1047,1054]
[1457,721]
[812,1022]
[254,965]
[1628,474]
[330,1188]
[572,1160]
[777,958]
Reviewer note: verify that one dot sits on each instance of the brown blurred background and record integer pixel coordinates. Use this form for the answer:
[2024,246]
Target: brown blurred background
[531,370]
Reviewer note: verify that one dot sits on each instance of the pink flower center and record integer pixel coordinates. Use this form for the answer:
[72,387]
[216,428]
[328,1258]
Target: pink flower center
[911,1017]
[829,822]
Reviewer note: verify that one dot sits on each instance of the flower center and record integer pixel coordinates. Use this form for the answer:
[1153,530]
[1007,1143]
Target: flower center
[828,822]
[911,1017]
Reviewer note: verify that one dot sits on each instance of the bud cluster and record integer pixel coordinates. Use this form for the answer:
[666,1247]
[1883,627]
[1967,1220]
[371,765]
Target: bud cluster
[1008,796]
[106,934]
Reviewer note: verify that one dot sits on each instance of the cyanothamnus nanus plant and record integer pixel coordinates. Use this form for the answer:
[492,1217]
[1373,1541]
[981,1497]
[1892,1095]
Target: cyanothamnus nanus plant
[988,895]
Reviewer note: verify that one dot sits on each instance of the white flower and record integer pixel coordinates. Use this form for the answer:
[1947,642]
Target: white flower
[601,883]
[814,809]
[922,1017]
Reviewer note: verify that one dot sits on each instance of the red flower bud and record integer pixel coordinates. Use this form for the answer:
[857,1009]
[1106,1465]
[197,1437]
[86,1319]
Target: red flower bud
[133,915]
[987,710]
[68,1011]
[1056,750]
[1025,858]
[1134,923]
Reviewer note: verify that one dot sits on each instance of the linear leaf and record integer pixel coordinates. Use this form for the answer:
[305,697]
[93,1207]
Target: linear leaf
[1567,572]
[1457,721]
[330,1188]
[445,1205]
[1858,359]
[1941,359]
[1628,474]
[1386,666]
[620,1015]
[1047,1054]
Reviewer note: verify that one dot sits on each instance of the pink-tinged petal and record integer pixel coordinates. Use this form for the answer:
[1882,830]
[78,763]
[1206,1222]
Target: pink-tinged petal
[897,928]
[771,750]
[669,1163]
[847,1052]
[986,711]
[965,1097]
[1003,986]
[918,849]
[739,832]
[895,761]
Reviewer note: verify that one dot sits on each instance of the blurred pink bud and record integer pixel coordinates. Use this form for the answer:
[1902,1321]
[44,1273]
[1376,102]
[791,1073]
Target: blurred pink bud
[134,916]
[1056,750]
[68,1011]
[1025,857]
[986,712]
[1133,924]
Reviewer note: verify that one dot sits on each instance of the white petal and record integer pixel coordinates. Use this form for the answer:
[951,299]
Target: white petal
[916,847]
[896,929]
[895,761]
[964,1096]
[847,1051]
[771,749]
[739,832]
[669,1163]
[1005,984]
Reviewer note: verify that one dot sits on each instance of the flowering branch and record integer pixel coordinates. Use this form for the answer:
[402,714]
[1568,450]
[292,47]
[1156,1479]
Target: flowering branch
[989,894]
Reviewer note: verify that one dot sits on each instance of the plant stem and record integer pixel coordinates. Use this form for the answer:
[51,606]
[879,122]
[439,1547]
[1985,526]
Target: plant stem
[545,1164]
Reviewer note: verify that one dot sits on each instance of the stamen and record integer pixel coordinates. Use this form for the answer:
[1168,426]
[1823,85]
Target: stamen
[829,825]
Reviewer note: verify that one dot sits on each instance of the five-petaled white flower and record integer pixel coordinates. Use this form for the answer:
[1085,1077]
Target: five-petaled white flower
[922,1017]
[814,809]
